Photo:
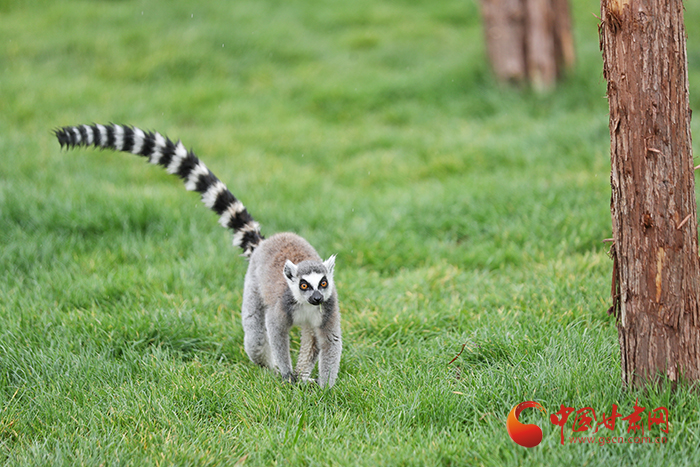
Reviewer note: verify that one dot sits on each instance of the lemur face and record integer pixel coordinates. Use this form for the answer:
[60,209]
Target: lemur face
[310,281]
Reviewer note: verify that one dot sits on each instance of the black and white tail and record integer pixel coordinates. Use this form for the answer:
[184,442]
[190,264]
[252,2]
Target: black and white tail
[178,161]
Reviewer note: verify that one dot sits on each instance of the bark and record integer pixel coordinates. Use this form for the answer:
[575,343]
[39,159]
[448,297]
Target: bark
[504,27]
[656,278]
[529,40]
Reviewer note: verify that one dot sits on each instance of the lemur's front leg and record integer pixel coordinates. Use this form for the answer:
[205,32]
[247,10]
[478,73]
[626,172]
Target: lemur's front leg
[278,325]
[308,353]
[330,344]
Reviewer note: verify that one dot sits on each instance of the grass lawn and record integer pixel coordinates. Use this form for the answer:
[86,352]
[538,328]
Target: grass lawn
[461,213]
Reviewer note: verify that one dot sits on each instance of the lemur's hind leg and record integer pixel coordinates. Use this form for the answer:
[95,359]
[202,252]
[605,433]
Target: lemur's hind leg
[255,340]
[308,354]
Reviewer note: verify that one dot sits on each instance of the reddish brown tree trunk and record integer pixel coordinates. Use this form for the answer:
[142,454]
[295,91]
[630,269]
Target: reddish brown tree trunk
[529,40]
[656,271]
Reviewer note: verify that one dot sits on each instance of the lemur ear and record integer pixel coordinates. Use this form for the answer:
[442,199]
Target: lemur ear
[330,264]
[290,270]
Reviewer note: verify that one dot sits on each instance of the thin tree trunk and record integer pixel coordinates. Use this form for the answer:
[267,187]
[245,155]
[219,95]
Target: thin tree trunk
[654,215]
[539,44]
[504,28]
[529,40]
[563,36]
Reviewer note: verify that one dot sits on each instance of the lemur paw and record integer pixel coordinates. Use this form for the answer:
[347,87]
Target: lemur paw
[289,378]
[309,381]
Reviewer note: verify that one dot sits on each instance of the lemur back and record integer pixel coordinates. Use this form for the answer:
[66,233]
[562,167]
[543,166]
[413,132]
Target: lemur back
[286,284]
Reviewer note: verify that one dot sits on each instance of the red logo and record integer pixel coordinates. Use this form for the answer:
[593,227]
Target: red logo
[529,435]
[639,428]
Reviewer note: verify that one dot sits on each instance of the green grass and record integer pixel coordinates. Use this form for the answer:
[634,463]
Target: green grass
[461,212]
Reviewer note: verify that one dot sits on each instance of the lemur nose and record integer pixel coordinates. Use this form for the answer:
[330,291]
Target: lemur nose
[316,298]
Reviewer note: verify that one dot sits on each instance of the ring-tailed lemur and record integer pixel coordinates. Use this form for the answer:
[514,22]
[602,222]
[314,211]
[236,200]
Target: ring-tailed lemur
[287,282]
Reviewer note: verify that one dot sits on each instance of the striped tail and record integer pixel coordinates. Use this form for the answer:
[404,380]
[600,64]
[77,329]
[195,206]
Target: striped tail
[178,161]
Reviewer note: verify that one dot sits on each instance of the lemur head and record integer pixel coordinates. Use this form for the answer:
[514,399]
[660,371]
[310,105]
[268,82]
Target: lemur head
[310,281]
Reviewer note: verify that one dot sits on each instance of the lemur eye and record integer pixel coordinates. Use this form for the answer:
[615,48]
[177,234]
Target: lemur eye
[303,286]
[324,284]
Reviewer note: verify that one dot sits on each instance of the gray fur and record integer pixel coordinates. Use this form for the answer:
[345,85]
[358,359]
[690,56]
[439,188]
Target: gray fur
[273,302]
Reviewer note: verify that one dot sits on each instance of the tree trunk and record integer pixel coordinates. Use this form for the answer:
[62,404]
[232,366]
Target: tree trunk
[529,40]
[656,272]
